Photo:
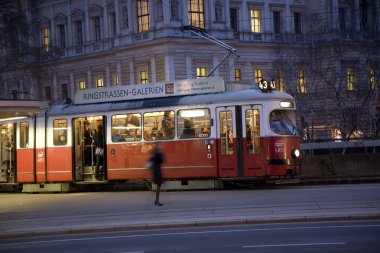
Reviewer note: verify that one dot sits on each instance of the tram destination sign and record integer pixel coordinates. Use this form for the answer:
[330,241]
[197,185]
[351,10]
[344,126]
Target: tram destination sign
[154,90]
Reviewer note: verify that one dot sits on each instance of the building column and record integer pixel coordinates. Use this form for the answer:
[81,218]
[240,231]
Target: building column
[185,14]
[334,15]
[288,19]
[118,69]
[87,38]
[72,85]
[215,61]
[89,79]
[245,25]
[105,30]
[21,88]
[357,18]
[152,14]
[116,39]
[166,11]
[107,77]
[52,40]
[231,67]
[131,72]
[70,42]
[5,95]
[153,68]
[33,88]
[117,17]
[266,18]
[227,14]
[54,87]
[169,68]
[189,67]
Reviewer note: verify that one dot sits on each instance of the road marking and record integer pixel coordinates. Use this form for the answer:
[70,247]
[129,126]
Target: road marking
[294,244]
[133,252]
[188,233]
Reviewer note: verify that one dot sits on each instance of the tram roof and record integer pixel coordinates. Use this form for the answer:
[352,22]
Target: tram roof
[201,99]
[21,108]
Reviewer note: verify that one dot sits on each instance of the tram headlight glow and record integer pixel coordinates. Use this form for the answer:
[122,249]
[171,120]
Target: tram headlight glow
[286,104]
[296,153]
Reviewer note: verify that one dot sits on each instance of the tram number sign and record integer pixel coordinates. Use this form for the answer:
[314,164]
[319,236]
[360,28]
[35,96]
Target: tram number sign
[267,86]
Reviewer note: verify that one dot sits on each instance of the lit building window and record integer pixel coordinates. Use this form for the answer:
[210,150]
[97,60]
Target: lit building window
[82,85]
[280,80]
[350,79]
[143,15]
[258,75]
[255,21]
[372,78]
[196,13]
[144,77]
[45,39]
[99,83]
[237,75]
[116,81]
[301,81]
[201,72]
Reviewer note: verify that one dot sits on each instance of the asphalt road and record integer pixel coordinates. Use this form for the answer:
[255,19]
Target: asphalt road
[347,236]
[48,214]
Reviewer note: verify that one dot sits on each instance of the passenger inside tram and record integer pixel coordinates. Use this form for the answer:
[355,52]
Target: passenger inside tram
[188,131]
[168,125]
[117,135]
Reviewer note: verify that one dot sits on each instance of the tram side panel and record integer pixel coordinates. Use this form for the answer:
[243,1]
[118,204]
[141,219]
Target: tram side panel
[279,158]
[193,158]
[25,151]
[58,153]
[40,150]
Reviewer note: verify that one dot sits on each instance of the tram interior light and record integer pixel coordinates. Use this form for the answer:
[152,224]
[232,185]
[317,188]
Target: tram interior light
[286,104]
[13,118]
[192,113]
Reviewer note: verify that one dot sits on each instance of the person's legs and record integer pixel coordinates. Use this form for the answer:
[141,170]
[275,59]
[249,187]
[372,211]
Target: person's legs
[157,202]
[97,166]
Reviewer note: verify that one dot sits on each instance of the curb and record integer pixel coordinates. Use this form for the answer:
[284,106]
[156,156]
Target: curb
[194,224]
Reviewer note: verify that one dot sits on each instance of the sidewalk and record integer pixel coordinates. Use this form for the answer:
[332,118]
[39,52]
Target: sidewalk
[46,214]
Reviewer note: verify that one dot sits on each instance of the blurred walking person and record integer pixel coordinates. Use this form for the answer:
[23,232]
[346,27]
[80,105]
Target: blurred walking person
[155,163]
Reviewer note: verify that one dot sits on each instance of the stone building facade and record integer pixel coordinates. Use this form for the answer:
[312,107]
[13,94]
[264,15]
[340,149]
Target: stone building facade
[326,53]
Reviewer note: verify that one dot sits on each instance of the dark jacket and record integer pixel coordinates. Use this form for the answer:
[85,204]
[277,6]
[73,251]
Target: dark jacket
[157,159]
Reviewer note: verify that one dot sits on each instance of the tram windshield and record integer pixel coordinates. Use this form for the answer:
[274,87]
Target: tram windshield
[280,123]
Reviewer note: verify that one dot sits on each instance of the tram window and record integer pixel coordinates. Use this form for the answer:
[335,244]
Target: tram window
[60,132]
[252,120]
[280,122]
[193,123]
[126,127]
[24,135]
[226,132]
[159,125]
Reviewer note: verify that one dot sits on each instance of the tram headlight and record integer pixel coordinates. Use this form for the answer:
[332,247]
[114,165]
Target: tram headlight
[296,153]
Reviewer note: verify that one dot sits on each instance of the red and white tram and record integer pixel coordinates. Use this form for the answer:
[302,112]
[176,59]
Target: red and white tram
[239,134]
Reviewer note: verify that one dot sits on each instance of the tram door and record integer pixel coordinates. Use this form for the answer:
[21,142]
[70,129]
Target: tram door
[251,150]
[8,153]
[227,143]
[84,132]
